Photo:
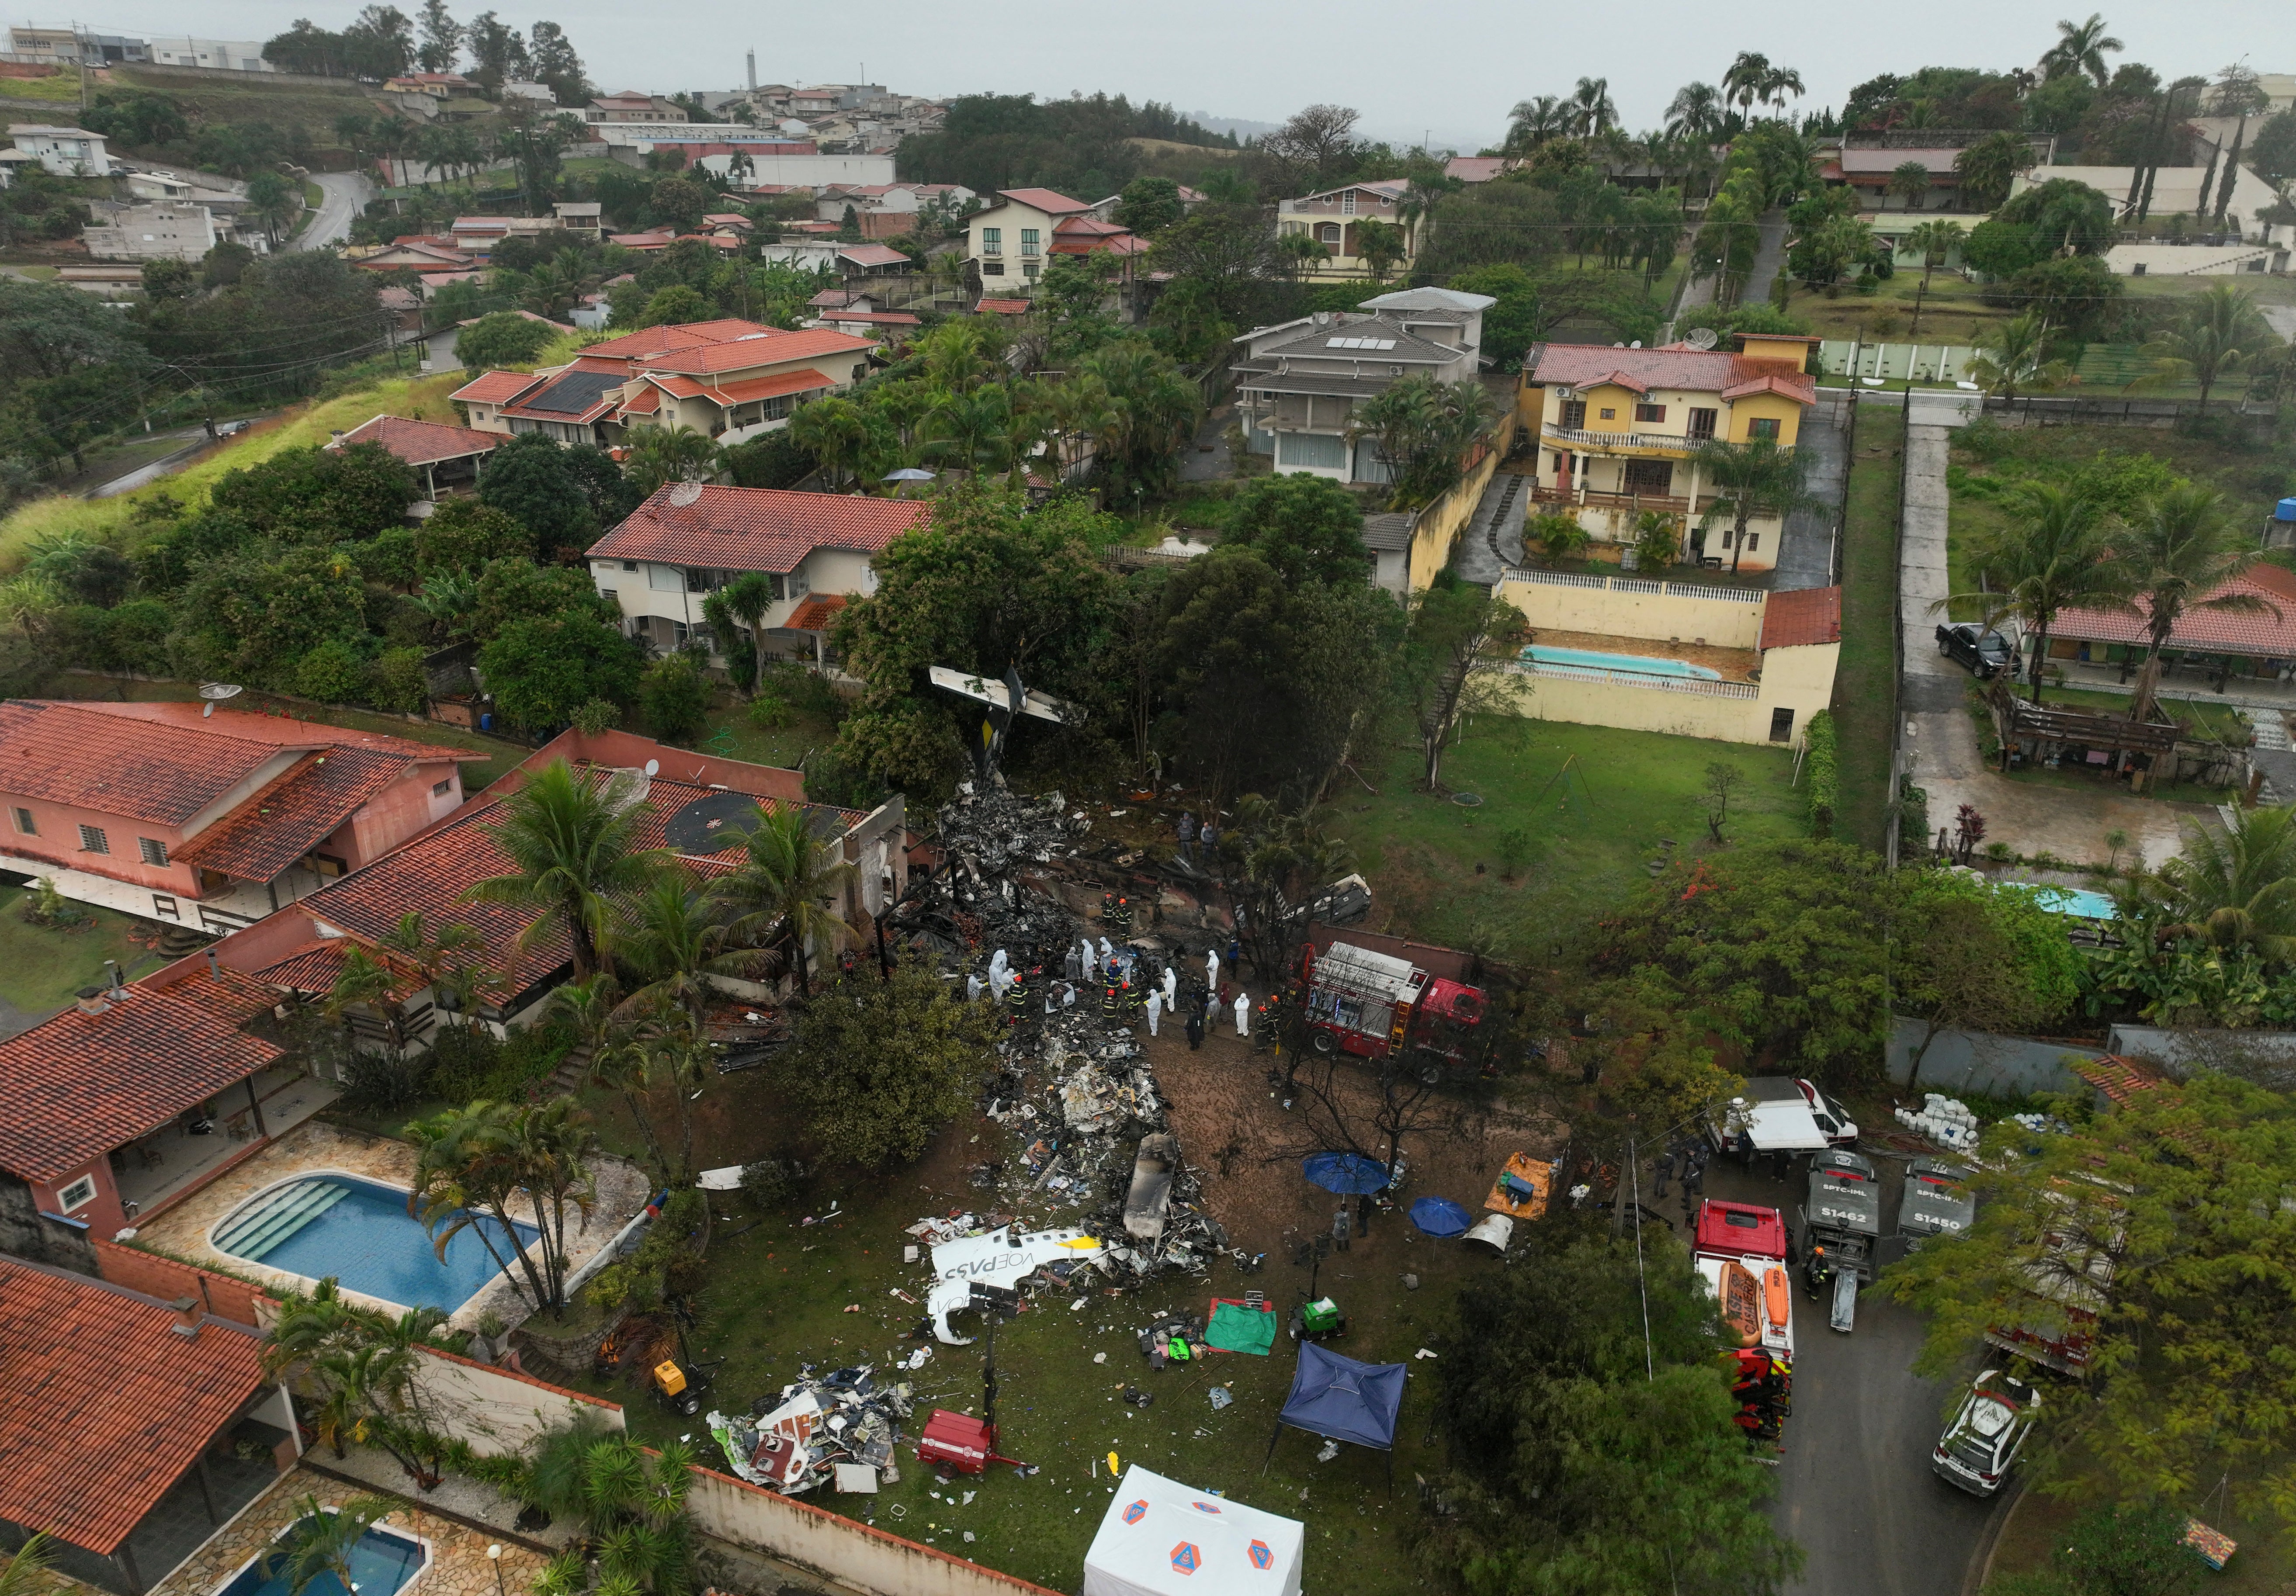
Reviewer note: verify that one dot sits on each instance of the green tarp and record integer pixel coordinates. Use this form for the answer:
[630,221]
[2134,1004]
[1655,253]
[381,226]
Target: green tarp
[1238,1328]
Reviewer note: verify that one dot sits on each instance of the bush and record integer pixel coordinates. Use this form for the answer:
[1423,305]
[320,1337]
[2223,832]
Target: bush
[459,1064]
[676,697]
[1820,773]
[332,673]
[380,1083]
[398,682]
[389,557]
[599,715]
[462,535]
[504,338]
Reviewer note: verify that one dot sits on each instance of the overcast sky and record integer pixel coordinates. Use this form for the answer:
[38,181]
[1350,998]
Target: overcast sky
[1451,70]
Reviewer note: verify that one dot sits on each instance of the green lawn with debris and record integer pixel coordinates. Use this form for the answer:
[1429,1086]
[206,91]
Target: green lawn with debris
[1590,807]
[778,1298]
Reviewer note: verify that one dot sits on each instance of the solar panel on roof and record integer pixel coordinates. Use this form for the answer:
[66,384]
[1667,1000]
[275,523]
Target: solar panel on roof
[575,393]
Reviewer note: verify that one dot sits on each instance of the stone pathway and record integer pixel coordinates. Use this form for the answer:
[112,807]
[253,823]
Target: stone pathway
[1805,552]
[1493,539]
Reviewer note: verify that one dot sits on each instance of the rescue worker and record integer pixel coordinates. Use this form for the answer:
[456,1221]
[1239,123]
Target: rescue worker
[1155,1008]
[1171,988]
[1185,831]
[1211,969]
[1195,1030]
[1665,1172]
[1243,1015]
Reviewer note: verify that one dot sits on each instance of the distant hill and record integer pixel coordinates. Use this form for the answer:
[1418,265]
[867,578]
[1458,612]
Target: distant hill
[1236,125]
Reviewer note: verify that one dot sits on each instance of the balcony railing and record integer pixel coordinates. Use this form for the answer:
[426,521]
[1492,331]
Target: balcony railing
[1672,503]
[1631,440]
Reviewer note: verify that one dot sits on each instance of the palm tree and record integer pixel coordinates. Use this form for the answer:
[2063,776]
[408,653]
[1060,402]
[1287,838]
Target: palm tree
[365,982]
[2081,48]
[1533,122]
[2220,330]
[780,893]
[570,849]
[2016,355]
[672,940]
[742,605]
[966,429]
[1695,113]
[2238,889]
[25,1573]
[362,1365]
[1910,182]
[1777,84]
[660,455]
[471,1163]
[320,1542]
[617,1062]
[1744,83]
[1758,477]
[2054,559]
[631,1503]
[2177,555]
[1936,241]
[834,431]
[1590,107]
[449,963]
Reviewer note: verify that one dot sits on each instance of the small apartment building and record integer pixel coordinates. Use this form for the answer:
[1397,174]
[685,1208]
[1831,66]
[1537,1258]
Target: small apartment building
[64,152]
[210,822]
[1334,218]
[688,540]
[1617,431]
[1298,383]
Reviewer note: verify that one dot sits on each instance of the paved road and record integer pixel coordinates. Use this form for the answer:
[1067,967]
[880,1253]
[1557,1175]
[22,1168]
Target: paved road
[1855,1488]
[1806,554]
[346,194]
[1770,258]
[190,441]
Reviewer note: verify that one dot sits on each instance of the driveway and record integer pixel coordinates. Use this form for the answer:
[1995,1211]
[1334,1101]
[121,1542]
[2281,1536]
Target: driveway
[1806,550]
[346,194]
[1855,1488]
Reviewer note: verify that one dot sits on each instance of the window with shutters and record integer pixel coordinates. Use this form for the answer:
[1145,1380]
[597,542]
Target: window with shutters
[154,851]
[1763,426]
[1650,412]
[1574,414]
[92,840]
[1029,237]
[992,241]
[1701,423]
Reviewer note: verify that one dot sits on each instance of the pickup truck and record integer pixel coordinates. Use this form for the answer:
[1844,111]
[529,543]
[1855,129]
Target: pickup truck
[1776,1113]
[1986,652]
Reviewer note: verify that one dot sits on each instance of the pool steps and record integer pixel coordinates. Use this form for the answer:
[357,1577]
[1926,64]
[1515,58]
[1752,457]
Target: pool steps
[252,1233]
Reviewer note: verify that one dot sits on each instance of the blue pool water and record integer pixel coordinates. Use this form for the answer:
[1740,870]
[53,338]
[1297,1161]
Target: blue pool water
[2077,901]
[360,1232]
[381,1563]
[1642,663]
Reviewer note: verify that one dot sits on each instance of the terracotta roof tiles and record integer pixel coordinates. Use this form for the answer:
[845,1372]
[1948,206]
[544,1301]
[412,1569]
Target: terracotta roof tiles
[1804,616]
[742,353]
[755,528]
[2259,633]
[817,614]
[495,388]
[107,1407]
[66,753]
[293,813]
[420,443]
[1673,366]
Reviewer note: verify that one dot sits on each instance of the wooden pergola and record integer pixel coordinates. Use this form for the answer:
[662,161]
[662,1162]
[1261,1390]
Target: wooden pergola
[2032,729]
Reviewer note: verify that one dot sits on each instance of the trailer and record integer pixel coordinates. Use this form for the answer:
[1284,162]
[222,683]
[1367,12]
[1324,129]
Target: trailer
[1375,1005]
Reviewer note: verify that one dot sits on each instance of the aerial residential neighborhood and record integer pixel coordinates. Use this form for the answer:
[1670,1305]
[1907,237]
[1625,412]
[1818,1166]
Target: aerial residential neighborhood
[1268,803]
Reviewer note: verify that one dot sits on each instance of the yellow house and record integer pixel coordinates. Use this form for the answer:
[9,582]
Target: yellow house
[1334,219]
[1617,429]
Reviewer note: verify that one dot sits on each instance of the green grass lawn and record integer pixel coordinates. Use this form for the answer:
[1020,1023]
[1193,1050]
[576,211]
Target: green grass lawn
[731,736]
[1437,869]
[1865,683]
[58,89]
[41,968]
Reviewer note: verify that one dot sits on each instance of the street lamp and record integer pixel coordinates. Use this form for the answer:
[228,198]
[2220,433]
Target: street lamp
[494,1556]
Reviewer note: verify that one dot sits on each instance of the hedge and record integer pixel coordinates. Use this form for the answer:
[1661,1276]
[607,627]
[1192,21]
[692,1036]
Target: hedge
[1820,772]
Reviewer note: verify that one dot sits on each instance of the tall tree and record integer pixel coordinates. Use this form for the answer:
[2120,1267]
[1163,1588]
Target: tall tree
[880,1065]
[1453,624]
[442,38]
[780,894]
[572,848]
[1318,142]
[2177,554]
[1758,479]
[499,53]
[2055,557]
[557,66]
[2081,47]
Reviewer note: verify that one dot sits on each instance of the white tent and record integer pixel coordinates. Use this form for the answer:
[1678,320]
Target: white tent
[1161,1538]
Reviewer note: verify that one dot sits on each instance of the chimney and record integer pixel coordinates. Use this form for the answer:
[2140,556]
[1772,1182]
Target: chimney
[215,969]
[91,1000]
[111,971]
[187,1317]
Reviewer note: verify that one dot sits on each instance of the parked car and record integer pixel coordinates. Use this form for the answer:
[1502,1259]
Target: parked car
[1983,651]
[1978,1447]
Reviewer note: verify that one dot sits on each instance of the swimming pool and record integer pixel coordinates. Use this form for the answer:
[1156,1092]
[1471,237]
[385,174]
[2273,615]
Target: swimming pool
[1642,664]
[2079,902]
[382,1563]
[360,1232]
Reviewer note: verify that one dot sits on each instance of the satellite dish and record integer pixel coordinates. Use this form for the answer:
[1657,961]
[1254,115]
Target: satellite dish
[653,767]
[686,492]
[216,692]
[1635,344]
[1701,338]
[622,790]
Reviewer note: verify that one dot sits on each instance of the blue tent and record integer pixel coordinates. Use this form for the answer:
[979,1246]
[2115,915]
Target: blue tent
[1439,1217]
[1344,1172]
[1345,1400]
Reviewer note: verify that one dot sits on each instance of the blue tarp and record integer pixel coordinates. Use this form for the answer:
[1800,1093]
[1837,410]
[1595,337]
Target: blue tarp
[1439,1217]
[1344,1172]
[1348,1401]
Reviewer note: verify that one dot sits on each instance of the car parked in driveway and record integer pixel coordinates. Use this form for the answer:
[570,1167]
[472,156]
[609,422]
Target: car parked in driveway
[1978,1447]
[1982,650]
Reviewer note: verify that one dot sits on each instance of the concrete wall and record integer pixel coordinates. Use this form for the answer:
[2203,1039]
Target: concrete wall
[26,1232]
[1438,525]
[1979,1061]
[498,1411]
[2194,260]
[726,1509]
[2181,1052]
[1619,607]
[1800,680]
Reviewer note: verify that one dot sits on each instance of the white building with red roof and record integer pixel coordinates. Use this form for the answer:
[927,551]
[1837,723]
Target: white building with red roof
[1008,242]
[688,540]
[1619,431]
[731,379]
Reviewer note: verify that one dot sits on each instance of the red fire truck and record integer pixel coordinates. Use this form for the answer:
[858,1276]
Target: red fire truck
[1739,1251]
[1375,1005]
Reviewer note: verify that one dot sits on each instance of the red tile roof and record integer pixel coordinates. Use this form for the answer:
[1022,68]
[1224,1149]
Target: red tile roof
[742,353]
[873,318]
[2259,633]
[755,528]
[108,1407]
[642,241]
[66,753]
[76,1085]
[281,731]
[311,968]
[817,614]
[1118,243]
[1673,365]
[1043,199]
[872,255]
[749,388]
[645,402]
[2119,1078]
[1475,168]
[1003,307]
[1807,615]
[495,388]
[293,813]
[420,443]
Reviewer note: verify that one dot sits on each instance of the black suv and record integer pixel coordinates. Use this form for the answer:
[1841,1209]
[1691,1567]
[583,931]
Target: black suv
[1987,653]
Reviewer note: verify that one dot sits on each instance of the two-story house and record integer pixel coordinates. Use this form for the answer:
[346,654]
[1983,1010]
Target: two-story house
[1298,383]
[1334,218]
[1008,242]
[732,380]
[1617,431]
[688,540]
[210,820]
[65,151]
